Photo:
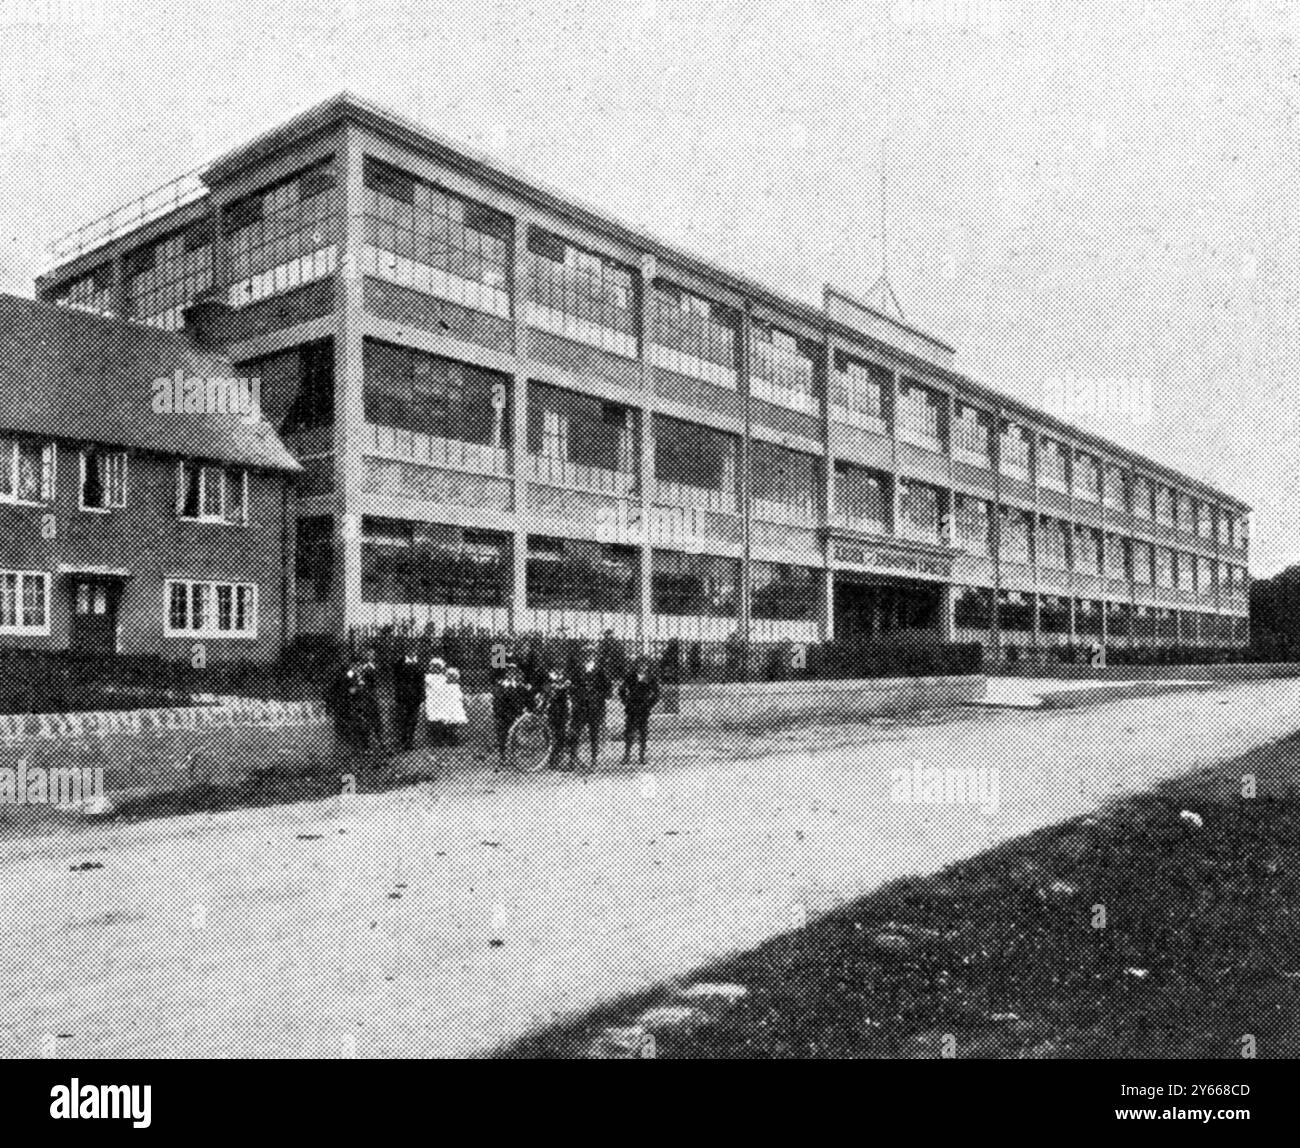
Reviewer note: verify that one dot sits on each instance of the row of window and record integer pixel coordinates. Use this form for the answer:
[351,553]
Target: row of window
[973,610]
[204,492]
[192,609]
[280,237]
[410,562]
[165,276]
[429,238]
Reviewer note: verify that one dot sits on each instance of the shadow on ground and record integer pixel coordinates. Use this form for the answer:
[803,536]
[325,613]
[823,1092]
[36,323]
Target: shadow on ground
[1166,925]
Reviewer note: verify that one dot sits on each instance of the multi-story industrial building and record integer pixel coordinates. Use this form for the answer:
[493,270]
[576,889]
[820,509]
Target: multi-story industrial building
[516,412]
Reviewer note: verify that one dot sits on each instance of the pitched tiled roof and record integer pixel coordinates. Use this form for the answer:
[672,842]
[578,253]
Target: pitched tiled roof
[71,374]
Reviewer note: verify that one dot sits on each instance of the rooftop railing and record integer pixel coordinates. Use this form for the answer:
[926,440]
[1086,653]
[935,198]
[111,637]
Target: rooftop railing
[164,200]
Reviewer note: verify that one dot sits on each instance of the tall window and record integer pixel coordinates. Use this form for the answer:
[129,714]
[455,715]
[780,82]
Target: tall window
[858,393]
[1053,551]
[1205,521]
[580,295]
[1164,567]
[578,440]
[1116,557]
[1143,559]
[92,291]
[429,564]
[694,336]
[694,584]
[973,608]
[297,386]
[314,556]
[212,493]
[1087,477]
[784,369]
[26,471]
[1164,506]
[974,523]
[567,574]
[165,276]
[783,592]
[281,237]
[1087,551]
[918,506]
[1052,469]
[210,609]
[1014,451]
[1142,497]
[1205,576]
[24,602]
[695,465]
[1015,530]
[861,497]
[424,237]
[918,415]
[103,479]
[1115,491]
[972,434]
[434,396]
[784,483]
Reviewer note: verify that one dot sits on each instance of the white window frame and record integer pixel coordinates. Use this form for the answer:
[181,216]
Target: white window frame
[209,629]
[19,627]
[9,453]
[115,465]
[223,473]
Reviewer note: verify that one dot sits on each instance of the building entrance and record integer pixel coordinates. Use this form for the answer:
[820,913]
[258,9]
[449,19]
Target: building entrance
[866,609]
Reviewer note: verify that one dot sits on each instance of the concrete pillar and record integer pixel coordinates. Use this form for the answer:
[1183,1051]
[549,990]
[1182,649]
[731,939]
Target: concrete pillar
[646,458]
[349,382]
[746,456]
[895,519]
[519,426]
[947,613]
[826,506]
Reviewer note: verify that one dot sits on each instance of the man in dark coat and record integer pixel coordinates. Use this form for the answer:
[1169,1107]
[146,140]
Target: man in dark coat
[408,693]
[511,699]
[639,693]
[366,700]
[557,706]
[591,689]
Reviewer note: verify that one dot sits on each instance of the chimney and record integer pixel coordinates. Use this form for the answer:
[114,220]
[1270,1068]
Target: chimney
[208,321]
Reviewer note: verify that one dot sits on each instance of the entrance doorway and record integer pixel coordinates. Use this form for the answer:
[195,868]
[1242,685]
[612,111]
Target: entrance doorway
[871,609]
[94,614]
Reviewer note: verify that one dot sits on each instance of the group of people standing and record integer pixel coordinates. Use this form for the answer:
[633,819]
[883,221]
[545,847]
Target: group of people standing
[429,705]
[572,703]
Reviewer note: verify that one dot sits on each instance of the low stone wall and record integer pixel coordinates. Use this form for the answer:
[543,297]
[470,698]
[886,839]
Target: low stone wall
[1213,672]
[757,705]
[166,749]
[163,750]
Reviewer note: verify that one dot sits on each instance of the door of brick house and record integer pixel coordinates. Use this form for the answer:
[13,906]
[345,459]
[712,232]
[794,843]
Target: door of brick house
[94,614]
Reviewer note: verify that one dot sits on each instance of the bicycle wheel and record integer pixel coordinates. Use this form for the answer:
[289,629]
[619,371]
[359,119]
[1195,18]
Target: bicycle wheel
[530,743]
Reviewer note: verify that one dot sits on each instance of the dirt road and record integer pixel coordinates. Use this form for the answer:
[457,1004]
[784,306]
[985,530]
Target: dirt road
[445,920]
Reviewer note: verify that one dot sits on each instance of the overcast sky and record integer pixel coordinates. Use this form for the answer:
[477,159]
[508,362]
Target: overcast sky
[1100,191]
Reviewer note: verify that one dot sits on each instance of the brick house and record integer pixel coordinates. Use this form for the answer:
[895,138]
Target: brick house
[126,527]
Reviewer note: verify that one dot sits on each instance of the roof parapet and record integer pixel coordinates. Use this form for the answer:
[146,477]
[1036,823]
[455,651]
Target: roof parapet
[843,308]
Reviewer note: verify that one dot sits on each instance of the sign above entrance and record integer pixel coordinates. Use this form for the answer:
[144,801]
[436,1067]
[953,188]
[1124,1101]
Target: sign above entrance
[892,561]
[889,556]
